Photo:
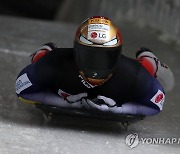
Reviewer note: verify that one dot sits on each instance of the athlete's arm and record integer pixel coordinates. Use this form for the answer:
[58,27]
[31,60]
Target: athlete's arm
[29,88]
[35,79]
[33,89]
[147,98]
[148,94]
[34,83]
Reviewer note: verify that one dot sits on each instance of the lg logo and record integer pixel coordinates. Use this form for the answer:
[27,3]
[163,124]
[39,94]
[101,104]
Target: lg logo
[98,35]
[102,35]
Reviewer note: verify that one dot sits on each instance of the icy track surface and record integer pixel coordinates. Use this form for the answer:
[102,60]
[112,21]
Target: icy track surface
[22,129]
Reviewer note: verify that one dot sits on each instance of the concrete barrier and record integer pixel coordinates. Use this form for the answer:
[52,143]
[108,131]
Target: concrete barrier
[163,15]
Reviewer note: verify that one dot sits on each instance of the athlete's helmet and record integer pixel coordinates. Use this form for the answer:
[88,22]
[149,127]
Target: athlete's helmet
[97,46]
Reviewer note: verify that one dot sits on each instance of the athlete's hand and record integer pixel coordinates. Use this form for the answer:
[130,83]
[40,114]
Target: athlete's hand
[46,48]
[100,103]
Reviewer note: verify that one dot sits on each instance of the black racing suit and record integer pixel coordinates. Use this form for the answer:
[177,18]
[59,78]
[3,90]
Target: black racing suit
[131,82]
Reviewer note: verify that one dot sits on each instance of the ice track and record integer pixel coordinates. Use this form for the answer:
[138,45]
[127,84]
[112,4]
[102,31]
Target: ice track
[22,129]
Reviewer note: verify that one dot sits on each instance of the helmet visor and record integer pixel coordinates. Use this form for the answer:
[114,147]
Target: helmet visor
[97,62]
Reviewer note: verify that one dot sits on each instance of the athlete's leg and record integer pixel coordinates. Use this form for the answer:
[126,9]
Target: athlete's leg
[156,68]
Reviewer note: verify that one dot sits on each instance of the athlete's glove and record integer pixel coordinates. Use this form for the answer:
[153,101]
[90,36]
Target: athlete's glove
[108,105]
[156,68]
[101,103]
[76,98]
[46,48]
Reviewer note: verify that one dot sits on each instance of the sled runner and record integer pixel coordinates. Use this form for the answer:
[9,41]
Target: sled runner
[125,120]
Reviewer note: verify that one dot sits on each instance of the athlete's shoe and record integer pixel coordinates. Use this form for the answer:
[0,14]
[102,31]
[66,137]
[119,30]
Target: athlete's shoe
[46,48]
[156,68]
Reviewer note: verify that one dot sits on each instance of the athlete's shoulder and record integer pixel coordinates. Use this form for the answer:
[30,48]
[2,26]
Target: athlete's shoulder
[128,68]
[128,64]
[63,51]
[135,71]
[60,53]
[55,58]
